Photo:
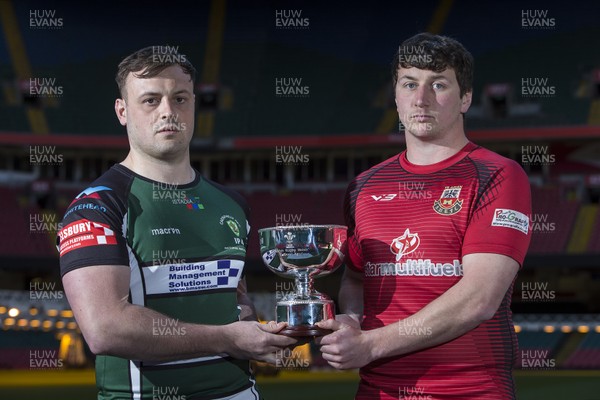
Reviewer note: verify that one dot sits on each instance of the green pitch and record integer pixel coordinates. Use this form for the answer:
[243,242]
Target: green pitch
[79,385]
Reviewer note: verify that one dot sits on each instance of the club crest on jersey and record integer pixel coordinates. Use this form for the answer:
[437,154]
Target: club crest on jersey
[234,227]
[449,202]
[232,223]
[405,244]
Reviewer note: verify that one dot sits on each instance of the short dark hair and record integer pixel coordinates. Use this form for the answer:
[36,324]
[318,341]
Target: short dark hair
[435,53]
[151,61]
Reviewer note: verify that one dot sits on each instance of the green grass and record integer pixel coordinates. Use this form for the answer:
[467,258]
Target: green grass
[48,393]
[312,391]
[536,385]
[558,385]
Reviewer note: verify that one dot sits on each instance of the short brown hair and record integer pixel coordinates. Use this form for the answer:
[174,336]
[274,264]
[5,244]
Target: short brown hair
[435,53]
[151,61]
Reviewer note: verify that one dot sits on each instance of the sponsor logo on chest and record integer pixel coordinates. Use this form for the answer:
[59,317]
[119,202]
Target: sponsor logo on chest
[407,244]
[189,277]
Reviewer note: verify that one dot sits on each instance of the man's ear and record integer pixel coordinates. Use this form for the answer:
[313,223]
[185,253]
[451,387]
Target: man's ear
[121,111]
[466,101]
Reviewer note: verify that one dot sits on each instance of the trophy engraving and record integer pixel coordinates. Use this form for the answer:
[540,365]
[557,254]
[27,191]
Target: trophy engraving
[303,253]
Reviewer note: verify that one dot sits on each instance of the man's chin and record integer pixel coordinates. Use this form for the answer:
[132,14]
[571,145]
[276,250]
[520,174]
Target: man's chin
[423,133]
[170,152]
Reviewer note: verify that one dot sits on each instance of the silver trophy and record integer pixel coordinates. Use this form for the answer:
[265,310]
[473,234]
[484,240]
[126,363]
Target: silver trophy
[303,252]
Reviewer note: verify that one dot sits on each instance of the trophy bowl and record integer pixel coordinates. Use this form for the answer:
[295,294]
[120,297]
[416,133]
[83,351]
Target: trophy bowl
[303,253]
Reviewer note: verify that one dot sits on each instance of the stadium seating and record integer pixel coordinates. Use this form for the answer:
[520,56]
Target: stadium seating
[17,237]
[594,243]
[552,220]
[587,354]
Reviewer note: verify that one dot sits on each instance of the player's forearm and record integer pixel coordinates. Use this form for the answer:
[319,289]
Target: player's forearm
[451,315]
[351,297]
[139,333]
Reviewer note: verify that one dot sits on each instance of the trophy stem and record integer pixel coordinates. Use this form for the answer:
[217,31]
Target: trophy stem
[304,285]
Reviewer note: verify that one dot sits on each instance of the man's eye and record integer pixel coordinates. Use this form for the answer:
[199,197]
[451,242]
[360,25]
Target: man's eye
[181,100]
[438,86]
[410,85]
[151,101]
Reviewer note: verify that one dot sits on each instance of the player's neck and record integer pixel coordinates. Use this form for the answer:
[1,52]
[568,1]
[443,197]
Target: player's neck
[177,171]
[427,152]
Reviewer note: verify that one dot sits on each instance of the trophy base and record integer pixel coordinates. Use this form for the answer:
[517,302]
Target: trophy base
[303,315]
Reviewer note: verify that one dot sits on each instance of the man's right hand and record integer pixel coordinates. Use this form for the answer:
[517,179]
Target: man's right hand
[255,341]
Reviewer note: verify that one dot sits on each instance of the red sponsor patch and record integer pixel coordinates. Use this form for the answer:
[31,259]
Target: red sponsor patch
[83,233]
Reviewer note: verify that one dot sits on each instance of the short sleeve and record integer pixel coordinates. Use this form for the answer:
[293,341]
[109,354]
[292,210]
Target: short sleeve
[92,231]
[353,256]
[500,219]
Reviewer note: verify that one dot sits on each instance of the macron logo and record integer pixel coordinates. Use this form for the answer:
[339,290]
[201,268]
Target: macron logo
[165,231]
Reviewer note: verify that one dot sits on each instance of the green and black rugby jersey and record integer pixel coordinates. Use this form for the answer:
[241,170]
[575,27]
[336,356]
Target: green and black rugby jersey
[185,246]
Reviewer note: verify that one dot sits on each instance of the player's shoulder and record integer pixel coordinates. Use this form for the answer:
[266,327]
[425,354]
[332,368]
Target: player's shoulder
[110,189]
[114,182]
[392,161]
[481,155]
[364,176]
[358,183]
[233,194]
[118,178]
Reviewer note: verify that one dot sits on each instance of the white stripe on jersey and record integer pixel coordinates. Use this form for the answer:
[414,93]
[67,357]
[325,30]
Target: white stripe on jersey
[135,380]
[186,361]
[248,394]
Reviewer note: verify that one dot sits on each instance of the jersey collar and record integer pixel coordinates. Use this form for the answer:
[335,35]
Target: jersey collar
[431,168]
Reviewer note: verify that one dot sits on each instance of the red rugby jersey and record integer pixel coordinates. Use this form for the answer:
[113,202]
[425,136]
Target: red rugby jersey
[409,227]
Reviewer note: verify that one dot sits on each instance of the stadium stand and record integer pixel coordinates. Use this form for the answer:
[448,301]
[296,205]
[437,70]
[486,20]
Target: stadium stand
[553,220]
[587,354]
[23,238]
[594,243]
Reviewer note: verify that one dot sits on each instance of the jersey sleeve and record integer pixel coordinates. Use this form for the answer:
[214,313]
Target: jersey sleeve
[92,231]
[500,220]
[353,257]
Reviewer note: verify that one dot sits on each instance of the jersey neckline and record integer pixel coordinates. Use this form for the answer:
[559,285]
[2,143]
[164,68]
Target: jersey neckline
[128,171]
[431,168]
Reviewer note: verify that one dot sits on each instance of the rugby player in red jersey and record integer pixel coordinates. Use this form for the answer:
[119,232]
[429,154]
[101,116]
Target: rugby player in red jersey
[436,237]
